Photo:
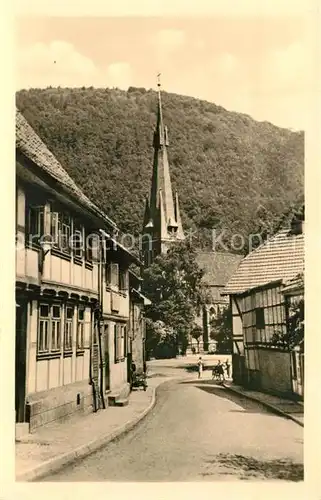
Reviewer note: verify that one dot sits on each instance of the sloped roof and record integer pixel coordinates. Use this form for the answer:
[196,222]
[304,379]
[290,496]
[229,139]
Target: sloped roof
[280,258]
[294,285]
[218,266]
[33,148]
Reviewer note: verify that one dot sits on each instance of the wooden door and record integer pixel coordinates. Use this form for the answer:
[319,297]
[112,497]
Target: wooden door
[20,359]
[106,356]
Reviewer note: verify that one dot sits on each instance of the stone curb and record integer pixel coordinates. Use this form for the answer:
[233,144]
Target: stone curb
[56,463]
[271,407]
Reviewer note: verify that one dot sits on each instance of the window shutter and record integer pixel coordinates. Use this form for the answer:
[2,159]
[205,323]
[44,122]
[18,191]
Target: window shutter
[54,228]
[119,342]
[95,247]
[125,342]
[108,273]
[114,273]
[115,343]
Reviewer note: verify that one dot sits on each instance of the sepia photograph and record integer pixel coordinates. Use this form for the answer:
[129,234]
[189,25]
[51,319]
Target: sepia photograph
[160,246]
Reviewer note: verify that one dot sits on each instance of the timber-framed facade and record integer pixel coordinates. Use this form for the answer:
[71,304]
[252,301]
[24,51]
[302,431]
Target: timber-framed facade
[72,292]
[261,314]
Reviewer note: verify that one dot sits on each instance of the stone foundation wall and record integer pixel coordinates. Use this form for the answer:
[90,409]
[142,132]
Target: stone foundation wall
[58,404]
[275,371]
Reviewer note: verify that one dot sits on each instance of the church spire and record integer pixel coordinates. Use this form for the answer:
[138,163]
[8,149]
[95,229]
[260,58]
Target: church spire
[163,211]
[161,132]
[161,177]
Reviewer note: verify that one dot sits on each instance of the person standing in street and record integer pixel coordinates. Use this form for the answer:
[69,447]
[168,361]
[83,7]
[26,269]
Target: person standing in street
[200,367]
[228,368]
[220,370]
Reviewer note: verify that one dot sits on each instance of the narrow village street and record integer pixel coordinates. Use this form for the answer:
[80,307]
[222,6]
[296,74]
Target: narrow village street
[197,431]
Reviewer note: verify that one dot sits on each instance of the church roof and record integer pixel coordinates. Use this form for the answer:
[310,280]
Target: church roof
[218,266]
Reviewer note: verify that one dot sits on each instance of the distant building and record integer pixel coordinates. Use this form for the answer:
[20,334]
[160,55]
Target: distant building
[260,292]
[137,327]
[72,293]
[218,268]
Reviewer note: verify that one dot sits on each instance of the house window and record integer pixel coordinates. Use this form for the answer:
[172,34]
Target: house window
[54,228]
[60,230]
[80,329]
[77,241]
[49,329]
[35,223]
[55,328]
[112,274]
[65,233]
[44,326]
[89,244]
[259,318]
[68,329]
[123,279]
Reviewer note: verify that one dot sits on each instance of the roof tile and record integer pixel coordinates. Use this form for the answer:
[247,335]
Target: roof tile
[218,266]
[280,258]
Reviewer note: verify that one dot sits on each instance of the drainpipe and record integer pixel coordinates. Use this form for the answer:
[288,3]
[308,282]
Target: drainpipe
[99,318]
[92,382]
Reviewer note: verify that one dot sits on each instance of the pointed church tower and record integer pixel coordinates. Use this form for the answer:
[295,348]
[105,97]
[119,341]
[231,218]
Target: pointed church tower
[162,220]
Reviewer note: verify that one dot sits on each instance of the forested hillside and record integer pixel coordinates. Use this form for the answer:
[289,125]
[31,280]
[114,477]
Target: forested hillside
[231,172]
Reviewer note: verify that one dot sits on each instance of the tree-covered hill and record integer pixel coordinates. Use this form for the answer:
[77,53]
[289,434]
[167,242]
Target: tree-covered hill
[231,171]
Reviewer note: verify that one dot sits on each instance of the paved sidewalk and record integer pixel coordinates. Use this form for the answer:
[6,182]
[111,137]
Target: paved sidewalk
[55,445]
[284,407]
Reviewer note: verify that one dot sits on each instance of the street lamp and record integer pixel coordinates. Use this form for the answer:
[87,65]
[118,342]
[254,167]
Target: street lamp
[45,247]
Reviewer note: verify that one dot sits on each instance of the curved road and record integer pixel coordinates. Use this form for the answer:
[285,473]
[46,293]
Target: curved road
[198,431]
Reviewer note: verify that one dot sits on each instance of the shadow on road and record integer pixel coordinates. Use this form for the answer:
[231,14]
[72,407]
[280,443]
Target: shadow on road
[216,390]
[191,368]
[188,367]
[251,468]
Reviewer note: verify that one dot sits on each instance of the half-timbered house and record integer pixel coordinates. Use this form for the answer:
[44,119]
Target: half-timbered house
[72,295]
[261,314]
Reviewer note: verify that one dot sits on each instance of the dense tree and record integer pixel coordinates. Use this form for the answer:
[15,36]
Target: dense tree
[197,333]
[295,329]
[174,285]
[232,172]
[221,330]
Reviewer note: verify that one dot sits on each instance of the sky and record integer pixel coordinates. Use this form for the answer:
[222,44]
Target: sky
[255,64]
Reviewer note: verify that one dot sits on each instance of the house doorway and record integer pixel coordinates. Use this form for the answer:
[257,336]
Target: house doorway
[106,356]
[20,359]
[129,367]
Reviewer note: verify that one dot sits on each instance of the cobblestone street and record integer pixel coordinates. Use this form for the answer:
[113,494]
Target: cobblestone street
[198,431]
